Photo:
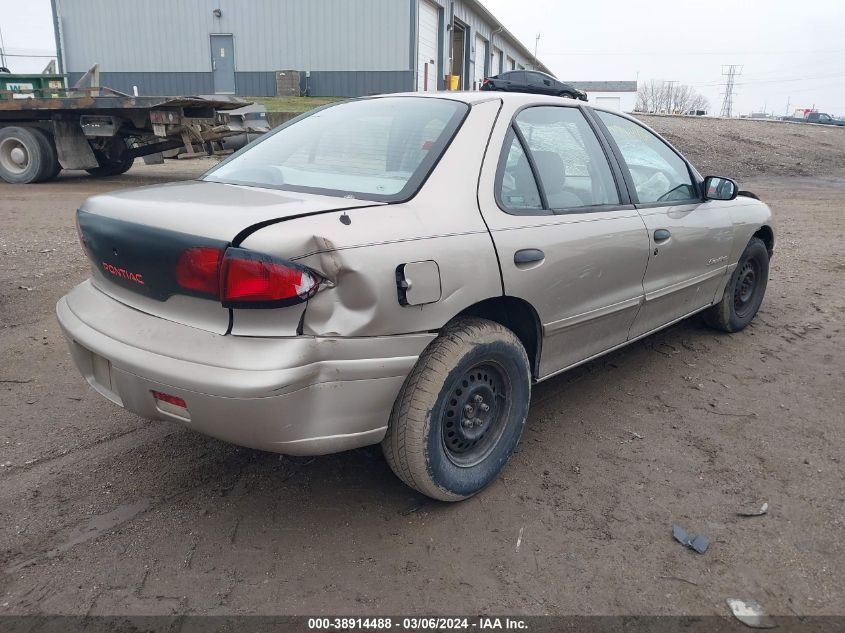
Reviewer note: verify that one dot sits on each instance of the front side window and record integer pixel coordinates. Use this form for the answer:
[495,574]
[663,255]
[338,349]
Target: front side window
[372,149]
[659,174]
[569,162]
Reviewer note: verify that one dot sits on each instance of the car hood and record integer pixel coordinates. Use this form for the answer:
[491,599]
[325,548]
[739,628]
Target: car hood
[211,209]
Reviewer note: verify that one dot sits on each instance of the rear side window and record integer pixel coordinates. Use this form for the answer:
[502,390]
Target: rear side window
[372,149]
[659,174]
[566,158]
[518,192]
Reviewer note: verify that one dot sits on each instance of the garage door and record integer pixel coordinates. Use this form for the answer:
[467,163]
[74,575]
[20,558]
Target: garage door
[613,103]
[427,47]
[496,62]
[480,59]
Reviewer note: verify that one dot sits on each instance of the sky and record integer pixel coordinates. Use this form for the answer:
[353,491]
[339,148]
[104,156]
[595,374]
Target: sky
[789,52]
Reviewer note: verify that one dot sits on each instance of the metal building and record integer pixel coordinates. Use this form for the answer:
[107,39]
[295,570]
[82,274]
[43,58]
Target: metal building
[338,47]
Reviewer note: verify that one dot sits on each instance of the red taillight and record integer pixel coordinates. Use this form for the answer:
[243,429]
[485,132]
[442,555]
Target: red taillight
[245,279]
[485,82]
[198,269]
[254,280]
[176,401]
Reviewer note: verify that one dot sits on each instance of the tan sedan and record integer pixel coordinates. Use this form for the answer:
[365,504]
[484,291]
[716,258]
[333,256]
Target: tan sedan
[402,269]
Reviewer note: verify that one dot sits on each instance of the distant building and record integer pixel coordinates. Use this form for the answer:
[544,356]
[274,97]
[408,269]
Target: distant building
[334,47]
[617,95]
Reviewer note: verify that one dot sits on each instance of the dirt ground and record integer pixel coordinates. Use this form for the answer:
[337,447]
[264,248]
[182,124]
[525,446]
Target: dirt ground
[102,512]
[740,148]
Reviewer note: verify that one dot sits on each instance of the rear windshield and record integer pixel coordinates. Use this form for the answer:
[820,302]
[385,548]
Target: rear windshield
[372,149]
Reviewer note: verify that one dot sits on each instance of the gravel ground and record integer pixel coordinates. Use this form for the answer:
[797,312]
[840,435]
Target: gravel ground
[105,513]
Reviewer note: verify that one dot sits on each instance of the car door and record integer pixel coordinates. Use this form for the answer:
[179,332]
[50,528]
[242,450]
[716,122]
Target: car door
[569,241]
[540,83]
[515,81]
[690,240]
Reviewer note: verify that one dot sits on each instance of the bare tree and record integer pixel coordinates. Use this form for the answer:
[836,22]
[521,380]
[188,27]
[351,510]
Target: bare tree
[669,97]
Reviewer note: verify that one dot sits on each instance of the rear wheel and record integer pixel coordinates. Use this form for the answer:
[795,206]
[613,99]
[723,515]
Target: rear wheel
[461,411]
[23,155]
[110,167]
[112,158]
[568,95]
[744,292]
[51,166]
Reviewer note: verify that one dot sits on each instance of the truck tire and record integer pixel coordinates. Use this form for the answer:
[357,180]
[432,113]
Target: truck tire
[110,167]
[744,292]
[461,411]
[51,166]
[22,155]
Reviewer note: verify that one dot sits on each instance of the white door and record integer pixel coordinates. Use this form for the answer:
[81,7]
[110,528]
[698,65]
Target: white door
[511,64]
[427,47]
[480,59]
[611,103]
[496,62]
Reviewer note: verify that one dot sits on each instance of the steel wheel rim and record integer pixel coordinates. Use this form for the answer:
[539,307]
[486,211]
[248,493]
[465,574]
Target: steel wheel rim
[14,156]
[745,289]
[475,414]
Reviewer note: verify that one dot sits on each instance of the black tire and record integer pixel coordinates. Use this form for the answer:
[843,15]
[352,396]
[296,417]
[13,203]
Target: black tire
[744,292]
[110,168]
[568,95]
[51,167]
[434,443]
[22,155]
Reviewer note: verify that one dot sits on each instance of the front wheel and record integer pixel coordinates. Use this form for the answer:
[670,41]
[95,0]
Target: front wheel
[744,292]
[461,411]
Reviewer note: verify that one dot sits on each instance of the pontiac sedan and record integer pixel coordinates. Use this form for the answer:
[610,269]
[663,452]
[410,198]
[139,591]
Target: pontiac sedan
[401,270]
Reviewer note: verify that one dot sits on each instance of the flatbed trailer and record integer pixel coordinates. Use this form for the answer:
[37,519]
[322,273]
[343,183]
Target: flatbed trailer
[102,131]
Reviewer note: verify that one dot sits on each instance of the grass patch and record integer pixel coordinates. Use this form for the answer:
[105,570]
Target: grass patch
[293,104]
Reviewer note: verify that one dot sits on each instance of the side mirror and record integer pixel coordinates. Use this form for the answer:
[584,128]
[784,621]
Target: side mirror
[720,188]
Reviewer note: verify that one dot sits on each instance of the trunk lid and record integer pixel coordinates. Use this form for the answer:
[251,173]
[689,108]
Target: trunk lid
[135,239]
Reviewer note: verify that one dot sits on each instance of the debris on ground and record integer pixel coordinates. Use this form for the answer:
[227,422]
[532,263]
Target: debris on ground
[699,543]
[764,509]
[750,614]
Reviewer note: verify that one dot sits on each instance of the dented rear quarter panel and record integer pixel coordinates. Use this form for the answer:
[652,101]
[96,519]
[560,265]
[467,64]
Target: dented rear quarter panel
[359,253]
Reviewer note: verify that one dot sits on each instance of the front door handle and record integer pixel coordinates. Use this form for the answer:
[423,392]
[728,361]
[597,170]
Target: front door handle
[661,235]
[528,256]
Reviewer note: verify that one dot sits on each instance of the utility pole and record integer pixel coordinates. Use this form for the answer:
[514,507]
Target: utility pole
[536,43]
[788,99]
[731,71]
[2,50]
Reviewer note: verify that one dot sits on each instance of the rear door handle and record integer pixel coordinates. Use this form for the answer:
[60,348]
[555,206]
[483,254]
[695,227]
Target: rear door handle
[661,235]
[528,256]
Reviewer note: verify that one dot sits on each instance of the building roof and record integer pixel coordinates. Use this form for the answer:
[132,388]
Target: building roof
[484,12]
[605,86]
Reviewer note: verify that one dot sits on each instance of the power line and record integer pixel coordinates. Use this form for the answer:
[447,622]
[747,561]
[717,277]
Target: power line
[693,53]
[28,56]
[731,72]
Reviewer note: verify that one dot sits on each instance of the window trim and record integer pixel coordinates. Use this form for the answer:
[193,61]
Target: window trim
[625,202]
[514,134]
[626,172]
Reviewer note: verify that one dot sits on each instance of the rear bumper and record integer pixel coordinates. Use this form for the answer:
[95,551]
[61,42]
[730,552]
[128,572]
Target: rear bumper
[296,395]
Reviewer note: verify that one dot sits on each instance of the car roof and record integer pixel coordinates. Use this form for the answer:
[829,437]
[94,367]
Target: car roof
[516,99]
[513,99]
